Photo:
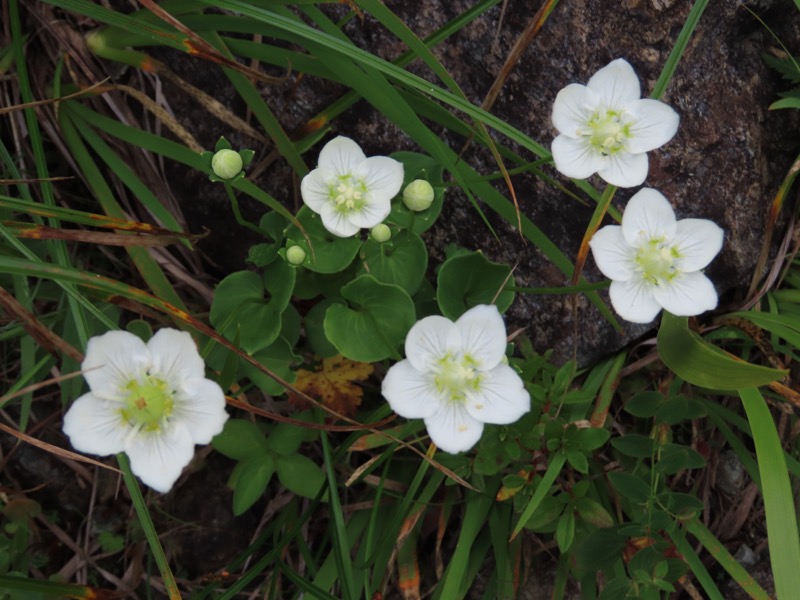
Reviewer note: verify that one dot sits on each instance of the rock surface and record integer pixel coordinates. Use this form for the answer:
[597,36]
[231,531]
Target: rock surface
[725,163]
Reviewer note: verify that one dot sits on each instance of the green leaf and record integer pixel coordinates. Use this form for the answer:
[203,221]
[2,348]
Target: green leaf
[286,438]
[278,358]
[418,166]
[250,479]
[785,103]
[565,531]
[240,309]
[471,279]
[240,440]
[327,253]
[401,261]
[779,505]
[300,475]
[375,323]
[315,332]
[593,512]
[635,445]
[696,361]
[675,458]
[630,486]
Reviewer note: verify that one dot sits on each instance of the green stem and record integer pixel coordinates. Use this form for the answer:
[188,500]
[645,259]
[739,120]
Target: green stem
[147,526]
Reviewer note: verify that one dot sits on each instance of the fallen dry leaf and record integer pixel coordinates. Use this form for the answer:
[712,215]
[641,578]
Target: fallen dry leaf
[332,383]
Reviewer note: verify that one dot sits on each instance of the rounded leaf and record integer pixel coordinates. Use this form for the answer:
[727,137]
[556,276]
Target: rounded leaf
[471,279]
[402,262]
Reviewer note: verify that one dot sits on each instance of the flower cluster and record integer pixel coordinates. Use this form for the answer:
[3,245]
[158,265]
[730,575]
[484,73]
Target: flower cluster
[151,401]
[653,260]
[455,378]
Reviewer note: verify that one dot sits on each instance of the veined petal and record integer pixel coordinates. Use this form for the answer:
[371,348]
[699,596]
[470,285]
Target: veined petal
[112,361]
[612,254]
[654,124]
[483,336]
[624,169]
[616,84]
[430,340]
[158,457]
[376,208]
[315,188]
[572,109]
[688,294]
[501,398]
[648,216]
[174,356]
[200,405]
[95,425]
[338,223]
[341,155]
[411,393]
[453,429]
[633,300]
[576,158]
[697,242]
[383,176]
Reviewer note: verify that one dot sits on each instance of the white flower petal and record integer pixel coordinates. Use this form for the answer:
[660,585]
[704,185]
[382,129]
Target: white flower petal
[654,124]
[158,458]
[576,158]
[648,216]
[624,169]
[633,300]
[374,211]
[687,295]
[411,393]
[453,429]
[501,399]
[341,155]
[200,406]
[612,254]
[95,425]
[121,358]
[336,222]
[174,356]
[616,84]
[483,336]
[315,188]
[382,175]
[697,242]
[430,340]
[572,109]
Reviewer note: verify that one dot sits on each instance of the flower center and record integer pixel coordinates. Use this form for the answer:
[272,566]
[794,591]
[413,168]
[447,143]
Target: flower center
[456,374]
[655,261]
[149,403]
[348,194]
[608,132]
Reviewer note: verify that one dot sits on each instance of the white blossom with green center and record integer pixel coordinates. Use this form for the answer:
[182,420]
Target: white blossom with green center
[654,261]
[151,401]
[350,191]
[455,377]
[607,128]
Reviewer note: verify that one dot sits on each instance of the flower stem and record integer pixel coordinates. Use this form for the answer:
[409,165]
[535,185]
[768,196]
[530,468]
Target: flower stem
[147,526]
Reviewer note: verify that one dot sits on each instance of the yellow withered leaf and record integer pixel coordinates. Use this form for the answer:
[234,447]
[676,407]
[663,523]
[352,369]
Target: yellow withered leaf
[333,383]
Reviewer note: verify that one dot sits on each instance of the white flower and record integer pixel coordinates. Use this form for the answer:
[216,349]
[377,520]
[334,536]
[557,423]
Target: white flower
[455,378]
[654,261]
[606,127]
[151,401]
[349,190]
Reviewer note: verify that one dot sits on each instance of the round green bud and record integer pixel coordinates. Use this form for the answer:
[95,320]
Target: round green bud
[226,164]
[418,195]
[381,233]
[295,255]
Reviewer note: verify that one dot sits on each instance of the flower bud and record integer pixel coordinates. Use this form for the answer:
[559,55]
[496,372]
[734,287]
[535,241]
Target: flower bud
[381,233]
[295,255]
[226,164]
[418,195]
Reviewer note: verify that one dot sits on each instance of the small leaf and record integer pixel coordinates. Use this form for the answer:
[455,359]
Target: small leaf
[675,457]
[635,445]
[285,438]
[630,486]
[300,475]
[565,531]
[251,479]
[327,253]
[471,279]
[402,261]
[593,512]
[240,440]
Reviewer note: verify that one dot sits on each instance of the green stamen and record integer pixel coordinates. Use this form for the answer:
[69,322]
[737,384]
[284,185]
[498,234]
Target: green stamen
[348,194]
[656,261]
[455,375]
[608,131]
[148,404]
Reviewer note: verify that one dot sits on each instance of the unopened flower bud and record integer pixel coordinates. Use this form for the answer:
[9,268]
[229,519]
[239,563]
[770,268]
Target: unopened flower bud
[295,255]
[418,195]
[226,164]
[381,233]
